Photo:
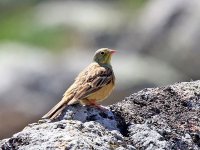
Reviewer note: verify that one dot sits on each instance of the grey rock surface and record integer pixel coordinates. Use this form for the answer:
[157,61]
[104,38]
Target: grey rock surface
[163,118]
[155,118]
[77,128]
[66,134]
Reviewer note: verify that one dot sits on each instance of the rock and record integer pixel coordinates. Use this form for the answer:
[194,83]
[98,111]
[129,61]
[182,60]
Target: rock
[154,118]
[66,134]
[144,137]
[85,114]
[166,117]
[77,128]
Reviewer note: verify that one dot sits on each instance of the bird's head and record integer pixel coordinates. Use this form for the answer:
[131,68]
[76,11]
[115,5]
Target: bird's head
[103,56]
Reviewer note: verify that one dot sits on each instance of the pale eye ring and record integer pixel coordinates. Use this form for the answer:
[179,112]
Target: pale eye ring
[102,53]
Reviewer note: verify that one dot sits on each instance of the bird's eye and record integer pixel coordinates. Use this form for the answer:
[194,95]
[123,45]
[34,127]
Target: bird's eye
[102,53]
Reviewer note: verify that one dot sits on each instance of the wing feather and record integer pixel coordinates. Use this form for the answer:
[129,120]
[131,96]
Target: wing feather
[93,79]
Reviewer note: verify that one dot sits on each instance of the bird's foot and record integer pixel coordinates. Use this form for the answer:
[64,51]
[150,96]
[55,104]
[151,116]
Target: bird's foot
[99,107]
[93,104]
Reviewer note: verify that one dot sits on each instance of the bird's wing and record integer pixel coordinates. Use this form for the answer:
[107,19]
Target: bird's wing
[92,79]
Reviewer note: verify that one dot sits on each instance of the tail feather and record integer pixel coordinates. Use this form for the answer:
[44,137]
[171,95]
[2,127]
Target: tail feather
[55,111]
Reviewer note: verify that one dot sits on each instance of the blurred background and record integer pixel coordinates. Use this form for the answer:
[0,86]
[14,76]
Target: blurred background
[44,44]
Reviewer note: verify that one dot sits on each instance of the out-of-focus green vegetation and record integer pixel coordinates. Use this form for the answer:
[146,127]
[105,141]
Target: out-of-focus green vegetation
[19,25]
[132,5]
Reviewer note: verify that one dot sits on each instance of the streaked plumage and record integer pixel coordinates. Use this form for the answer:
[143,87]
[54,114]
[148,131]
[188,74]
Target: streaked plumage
[93,84]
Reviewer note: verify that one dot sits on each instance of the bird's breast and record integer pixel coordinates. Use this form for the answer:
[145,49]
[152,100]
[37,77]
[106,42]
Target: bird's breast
[102,93]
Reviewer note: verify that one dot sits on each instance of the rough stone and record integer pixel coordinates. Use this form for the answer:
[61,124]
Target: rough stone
[154,118]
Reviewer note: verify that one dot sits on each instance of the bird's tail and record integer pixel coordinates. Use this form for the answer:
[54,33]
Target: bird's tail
[56,110]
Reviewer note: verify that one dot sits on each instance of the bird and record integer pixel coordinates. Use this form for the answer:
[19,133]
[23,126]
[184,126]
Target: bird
[92,85]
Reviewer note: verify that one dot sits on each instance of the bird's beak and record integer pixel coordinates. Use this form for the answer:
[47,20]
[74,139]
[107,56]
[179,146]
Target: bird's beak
[112,51]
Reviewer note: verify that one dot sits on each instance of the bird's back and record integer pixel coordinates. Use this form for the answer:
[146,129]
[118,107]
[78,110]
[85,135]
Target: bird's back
[87,80]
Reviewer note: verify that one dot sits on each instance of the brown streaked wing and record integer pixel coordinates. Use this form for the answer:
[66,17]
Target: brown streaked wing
[95,79]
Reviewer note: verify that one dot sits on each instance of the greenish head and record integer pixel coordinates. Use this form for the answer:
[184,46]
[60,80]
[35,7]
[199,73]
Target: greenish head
[103,56]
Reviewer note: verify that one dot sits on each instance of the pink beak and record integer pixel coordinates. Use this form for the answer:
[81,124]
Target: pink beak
[112,51]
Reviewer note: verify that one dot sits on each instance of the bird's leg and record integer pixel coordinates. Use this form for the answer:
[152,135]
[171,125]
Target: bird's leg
[93,103]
